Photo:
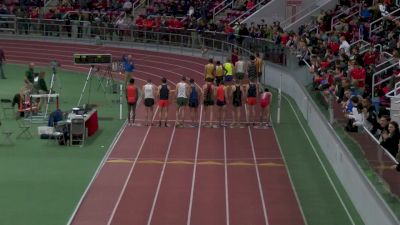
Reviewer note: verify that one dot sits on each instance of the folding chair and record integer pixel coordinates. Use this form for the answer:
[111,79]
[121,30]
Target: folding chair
[5,105]
[77,132]
[24,129]
[6,136]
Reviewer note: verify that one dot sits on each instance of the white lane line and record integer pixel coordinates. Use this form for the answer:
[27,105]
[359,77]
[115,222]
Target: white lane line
[101,165]
[99,168]
[258,177]
[226,181]
[256,167]
[130,172]
[322,164]
[113,50]
[194,168]
[161,176]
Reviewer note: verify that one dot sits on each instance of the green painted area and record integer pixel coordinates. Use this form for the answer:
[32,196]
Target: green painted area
[318,199]
[41,182]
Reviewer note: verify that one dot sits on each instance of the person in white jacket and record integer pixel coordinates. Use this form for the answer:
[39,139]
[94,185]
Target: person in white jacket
[356,117]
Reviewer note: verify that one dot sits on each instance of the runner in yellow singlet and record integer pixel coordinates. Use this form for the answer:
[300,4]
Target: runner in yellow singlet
[220,71]
[228,66]
[209,70]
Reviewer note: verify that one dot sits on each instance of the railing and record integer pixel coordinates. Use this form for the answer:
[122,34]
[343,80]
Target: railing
[221,7]
[137,4]
[375,25]
[162,35]
[363,45]
[380,73]
[8,23]
[250,11]
[356,9]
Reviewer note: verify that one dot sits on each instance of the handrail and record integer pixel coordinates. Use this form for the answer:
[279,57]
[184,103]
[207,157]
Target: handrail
[215,13]
[334,23]
[387,153]
[372,30]
[396,88]
[384,62]
[384,80]
[248,11]
[136,4]
[361,40]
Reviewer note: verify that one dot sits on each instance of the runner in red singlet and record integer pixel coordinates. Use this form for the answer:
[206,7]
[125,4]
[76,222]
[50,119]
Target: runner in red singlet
[265,101]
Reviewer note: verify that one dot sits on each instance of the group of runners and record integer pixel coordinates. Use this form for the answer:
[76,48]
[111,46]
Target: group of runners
[227,86]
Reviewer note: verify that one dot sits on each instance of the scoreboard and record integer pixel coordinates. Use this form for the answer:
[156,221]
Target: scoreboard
[92,59]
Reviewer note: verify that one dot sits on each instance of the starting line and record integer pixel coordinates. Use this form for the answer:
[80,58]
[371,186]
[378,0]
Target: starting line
[207,163]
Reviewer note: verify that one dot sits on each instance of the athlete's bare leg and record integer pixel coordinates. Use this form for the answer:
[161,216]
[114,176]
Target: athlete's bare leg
[151,115]
[238,116]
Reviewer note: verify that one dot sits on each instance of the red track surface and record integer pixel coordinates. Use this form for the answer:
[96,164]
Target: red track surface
[177,176]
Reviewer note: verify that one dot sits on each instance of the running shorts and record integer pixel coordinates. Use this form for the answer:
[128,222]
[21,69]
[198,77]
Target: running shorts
[264,104]
[163,103]
[148,102]
[181,101]
[208,103]
[251,100]
[239,76]
[220,103]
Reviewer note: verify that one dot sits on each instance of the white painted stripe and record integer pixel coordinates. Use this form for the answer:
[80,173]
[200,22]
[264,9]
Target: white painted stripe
[194,168]
[226,181]
[130,172]
[322,164]
[101,165]
[103,161]
[161,177]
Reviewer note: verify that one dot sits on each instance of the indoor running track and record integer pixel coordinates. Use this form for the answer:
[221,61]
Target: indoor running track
[177,176]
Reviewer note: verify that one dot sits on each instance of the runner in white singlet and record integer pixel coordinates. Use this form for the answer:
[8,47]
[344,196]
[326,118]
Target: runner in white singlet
[149,91]
[181,100]
[240,69]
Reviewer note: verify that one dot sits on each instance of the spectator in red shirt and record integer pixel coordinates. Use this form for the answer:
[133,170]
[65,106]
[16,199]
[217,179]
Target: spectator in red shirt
[284,38]
[369,57]
[139,22]
[358,75]
[148,23]
[250,4]
[172,23]
[335,47]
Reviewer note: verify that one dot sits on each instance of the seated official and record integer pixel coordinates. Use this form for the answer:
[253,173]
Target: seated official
[40,87]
